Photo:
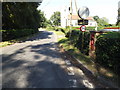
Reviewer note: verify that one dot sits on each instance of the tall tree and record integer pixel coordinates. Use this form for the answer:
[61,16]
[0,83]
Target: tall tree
[101,21]
[20,15]
[55,18]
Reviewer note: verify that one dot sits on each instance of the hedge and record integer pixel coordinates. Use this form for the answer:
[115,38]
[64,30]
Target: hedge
[108,51]
[76,40]
[14,34]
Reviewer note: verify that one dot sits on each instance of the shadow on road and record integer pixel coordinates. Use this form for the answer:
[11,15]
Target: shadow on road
[34,70]
[34,66]
[40,35]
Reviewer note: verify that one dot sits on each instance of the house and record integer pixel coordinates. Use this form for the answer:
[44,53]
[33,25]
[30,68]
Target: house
[65,19]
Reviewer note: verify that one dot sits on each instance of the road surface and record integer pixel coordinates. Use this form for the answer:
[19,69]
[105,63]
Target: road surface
[37,63]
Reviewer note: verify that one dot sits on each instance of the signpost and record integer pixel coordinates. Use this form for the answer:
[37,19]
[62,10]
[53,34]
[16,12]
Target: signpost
[83,28]
[83,13]
[83,22]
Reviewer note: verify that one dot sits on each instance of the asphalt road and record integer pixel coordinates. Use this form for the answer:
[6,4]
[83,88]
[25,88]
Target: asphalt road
[37,63]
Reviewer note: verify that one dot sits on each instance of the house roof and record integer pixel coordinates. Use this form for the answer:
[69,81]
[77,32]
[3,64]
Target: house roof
[76,17]
[90,18]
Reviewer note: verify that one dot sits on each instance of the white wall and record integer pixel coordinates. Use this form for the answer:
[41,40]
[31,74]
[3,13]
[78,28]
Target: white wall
[92,23]
[119,4]
[64,17]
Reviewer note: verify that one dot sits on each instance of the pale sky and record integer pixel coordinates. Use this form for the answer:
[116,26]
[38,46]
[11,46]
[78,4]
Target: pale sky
[102,8]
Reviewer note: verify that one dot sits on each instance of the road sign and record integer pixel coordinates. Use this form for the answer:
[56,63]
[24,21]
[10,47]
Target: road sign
[83,22]
[83,28]
[83,12]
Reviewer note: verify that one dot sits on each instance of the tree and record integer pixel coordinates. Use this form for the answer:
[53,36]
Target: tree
[101,21]
[96,18]
[55,18]
[22,15]
[44,21]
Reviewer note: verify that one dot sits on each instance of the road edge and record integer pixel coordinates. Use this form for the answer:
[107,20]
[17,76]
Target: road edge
[88,72]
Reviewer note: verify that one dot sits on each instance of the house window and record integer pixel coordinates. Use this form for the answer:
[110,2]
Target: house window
[90,23]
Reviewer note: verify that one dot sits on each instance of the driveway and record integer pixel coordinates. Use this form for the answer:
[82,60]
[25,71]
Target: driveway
[37,63]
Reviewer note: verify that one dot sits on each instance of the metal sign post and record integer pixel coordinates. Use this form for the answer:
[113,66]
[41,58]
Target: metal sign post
[83,29]
[83,13]
[70,9]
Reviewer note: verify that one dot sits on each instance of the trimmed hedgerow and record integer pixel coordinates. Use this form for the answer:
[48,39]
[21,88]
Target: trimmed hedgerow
[108,51]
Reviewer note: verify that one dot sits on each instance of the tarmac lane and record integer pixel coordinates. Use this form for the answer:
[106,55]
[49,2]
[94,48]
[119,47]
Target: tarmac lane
[37,63]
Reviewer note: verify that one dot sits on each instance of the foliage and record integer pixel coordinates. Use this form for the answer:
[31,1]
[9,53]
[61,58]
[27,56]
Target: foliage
[20,15]
[13,34]
[43,21]
[108,51]
[80,40]
[55,19]
[20,19]
[101,21]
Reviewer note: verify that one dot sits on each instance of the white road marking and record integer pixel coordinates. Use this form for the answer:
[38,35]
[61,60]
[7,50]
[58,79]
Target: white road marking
[71,73]
[67,62]
[71,68]
[74,82]
[81,72]
[88,84]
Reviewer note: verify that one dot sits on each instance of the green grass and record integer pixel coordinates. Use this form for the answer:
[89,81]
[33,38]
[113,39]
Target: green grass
[88,62]
[6,43]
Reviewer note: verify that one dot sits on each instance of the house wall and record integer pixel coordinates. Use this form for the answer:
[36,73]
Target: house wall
[92,23]
[65,19]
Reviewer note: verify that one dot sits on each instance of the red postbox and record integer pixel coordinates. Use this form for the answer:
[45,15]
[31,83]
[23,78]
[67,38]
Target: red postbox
[92,41]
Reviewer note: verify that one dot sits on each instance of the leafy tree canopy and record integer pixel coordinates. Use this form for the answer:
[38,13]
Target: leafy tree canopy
[55,18]
[21,15]
[101,21]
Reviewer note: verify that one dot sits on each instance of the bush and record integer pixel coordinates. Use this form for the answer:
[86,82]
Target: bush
[83,45]
[76,40]
[14,34]
[108,51]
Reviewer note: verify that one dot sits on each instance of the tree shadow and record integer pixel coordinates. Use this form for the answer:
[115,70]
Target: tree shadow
[35,68]
[40,35]
[37,73]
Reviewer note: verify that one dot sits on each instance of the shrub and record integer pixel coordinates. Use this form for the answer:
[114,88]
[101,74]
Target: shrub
[83,45]
[76,40]
[108,51]
[14,34]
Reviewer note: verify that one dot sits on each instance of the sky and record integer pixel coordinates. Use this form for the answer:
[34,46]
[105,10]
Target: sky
[101,8]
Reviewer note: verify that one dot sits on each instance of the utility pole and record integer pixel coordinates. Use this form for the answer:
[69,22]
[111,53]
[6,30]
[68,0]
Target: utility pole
[76,6]
[70,18]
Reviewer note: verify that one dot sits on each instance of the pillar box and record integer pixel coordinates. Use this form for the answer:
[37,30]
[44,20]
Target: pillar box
[92,42]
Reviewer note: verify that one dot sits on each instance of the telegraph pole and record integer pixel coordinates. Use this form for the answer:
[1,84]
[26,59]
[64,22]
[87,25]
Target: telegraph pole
[70,18]
[76,6]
